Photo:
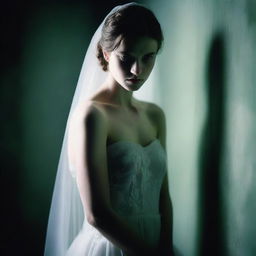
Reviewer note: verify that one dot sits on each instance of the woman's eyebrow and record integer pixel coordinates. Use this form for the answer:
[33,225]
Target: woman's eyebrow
[130,53]
[124,52]
[150,53]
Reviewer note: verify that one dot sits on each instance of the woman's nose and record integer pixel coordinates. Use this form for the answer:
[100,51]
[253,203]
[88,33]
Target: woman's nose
[136,68]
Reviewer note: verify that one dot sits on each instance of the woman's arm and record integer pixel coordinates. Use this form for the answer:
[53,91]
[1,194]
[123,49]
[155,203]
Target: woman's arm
[165,204]
[88,136]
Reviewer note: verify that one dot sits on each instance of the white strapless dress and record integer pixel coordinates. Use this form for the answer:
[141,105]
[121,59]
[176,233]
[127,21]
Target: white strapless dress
[136,174]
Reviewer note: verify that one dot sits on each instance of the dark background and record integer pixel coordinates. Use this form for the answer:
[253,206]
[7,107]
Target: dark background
[42,48]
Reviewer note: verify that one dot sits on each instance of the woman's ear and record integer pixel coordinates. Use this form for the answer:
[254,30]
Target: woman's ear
[106,55]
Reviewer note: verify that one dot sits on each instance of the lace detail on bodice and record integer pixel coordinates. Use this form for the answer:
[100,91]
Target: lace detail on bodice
[135,175]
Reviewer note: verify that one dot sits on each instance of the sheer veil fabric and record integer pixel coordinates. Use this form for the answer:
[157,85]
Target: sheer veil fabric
[66,216]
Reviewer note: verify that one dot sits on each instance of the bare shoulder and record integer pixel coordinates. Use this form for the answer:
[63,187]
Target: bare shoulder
[89,111]
[88,120]
[87,123]
[157,116]
[155,112]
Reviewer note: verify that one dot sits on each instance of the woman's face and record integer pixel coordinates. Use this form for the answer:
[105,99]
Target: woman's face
[131,63]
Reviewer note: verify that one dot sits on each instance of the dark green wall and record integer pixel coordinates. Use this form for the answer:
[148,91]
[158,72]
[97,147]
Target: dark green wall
[43,46]
[207,88]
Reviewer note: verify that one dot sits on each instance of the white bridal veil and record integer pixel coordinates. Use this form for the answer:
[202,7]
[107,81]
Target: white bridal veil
[66,213]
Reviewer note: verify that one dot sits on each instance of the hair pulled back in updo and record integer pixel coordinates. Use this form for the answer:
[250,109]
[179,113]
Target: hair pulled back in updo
[132,21]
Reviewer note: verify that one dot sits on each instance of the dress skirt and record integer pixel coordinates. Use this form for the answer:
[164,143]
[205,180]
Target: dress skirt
[90,242]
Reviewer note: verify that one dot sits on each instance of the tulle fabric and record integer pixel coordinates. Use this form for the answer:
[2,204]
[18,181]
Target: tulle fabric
[90,242]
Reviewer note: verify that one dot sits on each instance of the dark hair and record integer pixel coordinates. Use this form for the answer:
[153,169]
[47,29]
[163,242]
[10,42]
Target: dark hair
[131,21]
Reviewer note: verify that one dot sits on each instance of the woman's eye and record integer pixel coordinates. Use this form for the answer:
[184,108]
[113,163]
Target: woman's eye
[149,57]
[125,58]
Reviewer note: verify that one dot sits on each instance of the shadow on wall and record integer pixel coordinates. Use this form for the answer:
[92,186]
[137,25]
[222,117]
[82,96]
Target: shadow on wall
[211,232]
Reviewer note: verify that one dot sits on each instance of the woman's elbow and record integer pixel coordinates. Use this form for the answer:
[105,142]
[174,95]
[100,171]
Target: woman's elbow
[97,218]
[91,219]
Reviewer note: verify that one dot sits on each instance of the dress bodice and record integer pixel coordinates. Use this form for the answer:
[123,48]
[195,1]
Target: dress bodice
[136,173]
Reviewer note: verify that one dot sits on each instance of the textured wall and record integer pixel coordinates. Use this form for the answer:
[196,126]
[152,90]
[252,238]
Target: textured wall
[207,87]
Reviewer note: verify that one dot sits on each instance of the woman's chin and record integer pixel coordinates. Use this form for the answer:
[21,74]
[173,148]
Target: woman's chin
[133,86]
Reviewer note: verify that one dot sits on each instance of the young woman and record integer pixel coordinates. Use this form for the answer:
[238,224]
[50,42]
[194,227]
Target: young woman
[114,149]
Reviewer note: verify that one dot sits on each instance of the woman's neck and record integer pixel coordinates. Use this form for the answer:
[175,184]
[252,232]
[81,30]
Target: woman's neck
[116,94]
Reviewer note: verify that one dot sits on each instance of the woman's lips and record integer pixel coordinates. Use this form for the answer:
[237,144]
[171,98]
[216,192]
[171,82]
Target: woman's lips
[134,80]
